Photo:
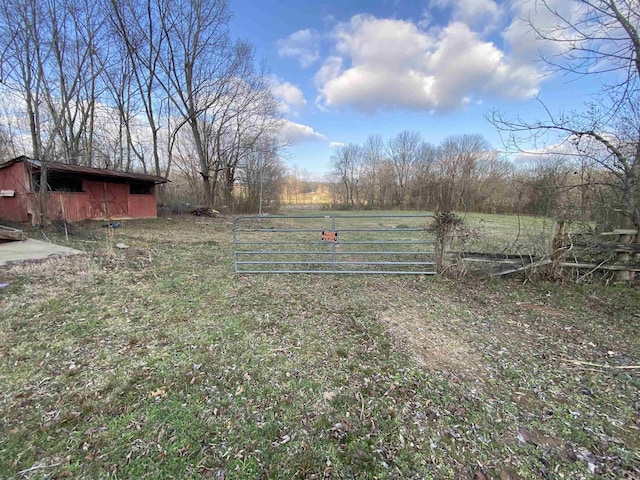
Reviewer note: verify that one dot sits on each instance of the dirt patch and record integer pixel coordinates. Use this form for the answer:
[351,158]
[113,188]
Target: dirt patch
[436,347]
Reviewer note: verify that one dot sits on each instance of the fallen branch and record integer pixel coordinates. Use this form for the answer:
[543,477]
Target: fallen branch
[599,365]
[520,268]
[37,467]
[592,270]
[621,267]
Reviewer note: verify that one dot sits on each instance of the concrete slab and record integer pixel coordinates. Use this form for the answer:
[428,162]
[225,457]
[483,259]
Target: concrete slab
[31,249]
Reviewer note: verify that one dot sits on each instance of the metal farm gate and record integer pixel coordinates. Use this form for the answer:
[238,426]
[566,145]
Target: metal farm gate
[371,244]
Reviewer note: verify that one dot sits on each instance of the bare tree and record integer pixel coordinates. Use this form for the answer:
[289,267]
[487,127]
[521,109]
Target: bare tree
[493,187]
[405,152]
[12,138]
[347,164]
[215,89]
[196,62]
[251,122]
[51,56]
[546,182]
[424,177]
[187,166]
[374,181]
[121,89]
[261,174]
[7,147]
[242,121]
[168,71]
[138,25]
[297,181]
[409,172]
[458,160]
[69,74]
[599,38]
[22,48]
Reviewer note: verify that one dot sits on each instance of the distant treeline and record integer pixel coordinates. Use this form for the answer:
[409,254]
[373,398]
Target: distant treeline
[464,173]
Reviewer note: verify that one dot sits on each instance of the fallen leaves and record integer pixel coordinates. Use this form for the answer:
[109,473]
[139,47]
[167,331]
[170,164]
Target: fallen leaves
[480,474]
[328,396]
[158,393]
[93,430]
[456,410]
[284,439]
[340,430]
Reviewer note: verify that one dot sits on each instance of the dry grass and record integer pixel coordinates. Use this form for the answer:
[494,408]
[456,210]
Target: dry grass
[157,361]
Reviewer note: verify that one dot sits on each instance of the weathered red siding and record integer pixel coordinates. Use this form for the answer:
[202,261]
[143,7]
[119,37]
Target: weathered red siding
[118,204]
[15,178]
[99,200]
[143,206]
[71,206]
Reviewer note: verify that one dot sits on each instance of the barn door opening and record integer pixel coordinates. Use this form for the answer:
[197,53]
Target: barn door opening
[108,200]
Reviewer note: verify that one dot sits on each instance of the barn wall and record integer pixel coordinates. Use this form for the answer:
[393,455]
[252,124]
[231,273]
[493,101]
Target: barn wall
[70,206]
[115,204]
[14,209]
[99,200]
[143,206]
[16,178]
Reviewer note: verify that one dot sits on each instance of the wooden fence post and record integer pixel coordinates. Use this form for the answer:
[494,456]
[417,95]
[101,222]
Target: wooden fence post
[556,245]
[626,236]
[443,245]
[558,240]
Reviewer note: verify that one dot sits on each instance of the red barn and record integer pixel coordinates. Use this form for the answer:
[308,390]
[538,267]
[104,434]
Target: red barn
[74,192]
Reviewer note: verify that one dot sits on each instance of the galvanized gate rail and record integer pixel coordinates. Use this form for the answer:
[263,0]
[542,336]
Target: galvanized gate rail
[337,244]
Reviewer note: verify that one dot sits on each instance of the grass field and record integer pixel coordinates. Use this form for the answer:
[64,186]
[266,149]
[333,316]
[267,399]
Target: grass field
[157,361]
[512,234]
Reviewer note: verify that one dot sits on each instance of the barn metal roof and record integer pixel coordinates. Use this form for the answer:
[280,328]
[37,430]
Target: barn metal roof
[89,171]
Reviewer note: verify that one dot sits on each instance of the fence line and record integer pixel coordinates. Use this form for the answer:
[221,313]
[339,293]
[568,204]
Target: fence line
[334,244]
[610,251]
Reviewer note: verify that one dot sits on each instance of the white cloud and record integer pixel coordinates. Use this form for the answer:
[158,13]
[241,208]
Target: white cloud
[336,144]
[330,69]
[291,97]
[297,133]
[303,45]
[388,63]
[478,14]
[520,37]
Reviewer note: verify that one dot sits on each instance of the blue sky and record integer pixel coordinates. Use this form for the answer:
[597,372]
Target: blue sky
[344,70]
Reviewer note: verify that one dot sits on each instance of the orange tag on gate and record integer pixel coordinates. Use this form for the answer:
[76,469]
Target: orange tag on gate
[329,236]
